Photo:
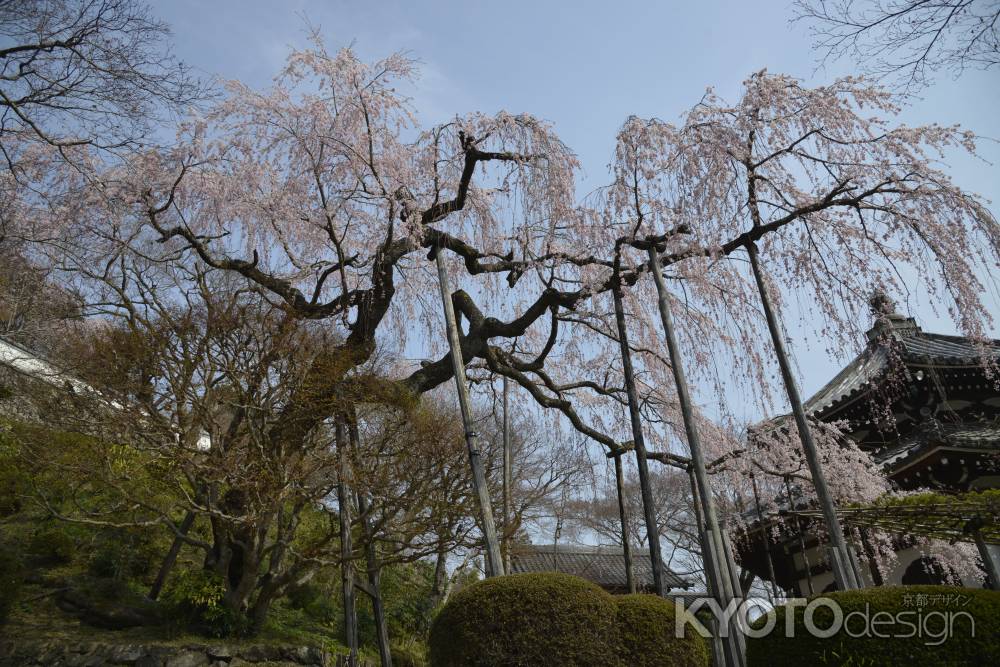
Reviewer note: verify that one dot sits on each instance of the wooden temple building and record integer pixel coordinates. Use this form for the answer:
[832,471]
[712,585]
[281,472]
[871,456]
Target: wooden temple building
[604,566]
[926,407]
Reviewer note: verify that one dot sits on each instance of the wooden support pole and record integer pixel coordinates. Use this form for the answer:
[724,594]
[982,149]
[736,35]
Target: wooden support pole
[852,552]
[723,650]
[648,506]
[840,556]
[374,571]
[729,585]
[707,561]
[346,548]
[373,568]
[738,594]
[802,539]
[623,517]
[494,561]
[507,476]
[989,560]
[870,557]
[730,656]
[773,592]
[721,566]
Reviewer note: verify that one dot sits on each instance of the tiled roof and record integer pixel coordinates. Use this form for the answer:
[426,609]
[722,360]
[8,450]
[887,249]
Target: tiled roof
[605,566]
[966,436]
[914,347]
[852,380]
[942,349]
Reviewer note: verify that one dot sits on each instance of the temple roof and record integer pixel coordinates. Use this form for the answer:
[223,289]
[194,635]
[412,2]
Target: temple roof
[605,566]
[968,436]
[895,335]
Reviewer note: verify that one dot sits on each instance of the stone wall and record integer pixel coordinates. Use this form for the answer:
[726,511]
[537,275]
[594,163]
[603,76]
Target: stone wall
[53,653]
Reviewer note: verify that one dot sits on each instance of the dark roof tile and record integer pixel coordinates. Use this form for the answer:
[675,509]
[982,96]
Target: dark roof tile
[605,566]
[915,348]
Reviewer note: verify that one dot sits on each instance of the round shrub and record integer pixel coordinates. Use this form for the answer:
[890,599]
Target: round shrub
[526,619]
[125,554]
[646,629]
[197,597]
[52,545]
[410,654]
[316,600]
[916,638]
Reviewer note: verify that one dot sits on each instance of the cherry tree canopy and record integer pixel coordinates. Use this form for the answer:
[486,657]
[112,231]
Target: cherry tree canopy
[326,196]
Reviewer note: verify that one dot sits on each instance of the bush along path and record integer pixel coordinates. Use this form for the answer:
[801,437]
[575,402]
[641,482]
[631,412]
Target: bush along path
[556,619]
[896,625]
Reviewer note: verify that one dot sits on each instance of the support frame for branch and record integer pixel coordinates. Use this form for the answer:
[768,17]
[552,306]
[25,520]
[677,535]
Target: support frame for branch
[635,420]
[840,556]
[494,559]
[717,551]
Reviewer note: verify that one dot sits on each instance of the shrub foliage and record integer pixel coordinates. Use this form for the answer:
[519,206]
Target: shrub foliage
[557,619]
[918,639]
[197,596]
[646,629]
[526,619]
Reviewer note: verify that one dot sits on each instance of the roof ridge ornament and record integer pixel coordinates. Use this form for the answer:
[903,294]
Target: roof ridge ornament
[886,320]
[881,304]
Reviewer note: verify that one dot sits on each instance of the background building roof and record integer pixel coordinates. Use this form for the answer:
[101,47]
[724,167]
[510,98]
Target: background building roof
[605,566]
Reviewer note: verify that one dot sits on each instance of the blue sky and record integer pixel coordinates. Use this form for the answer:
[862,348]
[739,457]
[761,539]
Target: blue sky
[584,66]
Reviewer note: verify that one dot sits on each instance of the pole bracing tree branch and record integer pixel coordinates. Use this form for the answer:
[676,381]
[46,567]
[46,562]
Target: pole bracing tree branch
[719,559]
[494,558]
[320,202]
[649,509]
[840,556]
[346,547]
[838,201]
[507,475]
[623,520]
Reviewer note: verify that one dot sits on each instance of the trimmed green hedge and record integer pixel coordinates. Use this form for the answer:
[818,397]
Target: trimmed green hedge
[925,622]
[646,629]
[557,619]
[526,619]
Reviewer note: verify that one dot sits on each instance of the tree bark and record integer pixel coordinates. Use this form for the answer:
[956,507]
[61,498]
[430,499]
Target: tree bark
[372,567]
[439,589]
[171,557]
[346,550]
[507,475]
